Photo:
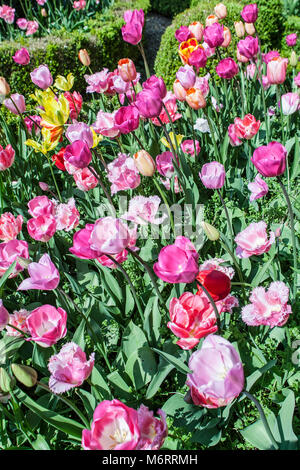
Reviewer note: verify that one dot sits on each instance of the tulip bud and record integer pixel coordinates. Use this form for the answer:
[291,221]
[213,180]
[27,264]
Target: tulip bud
[23,262]
[250,29]
[179,91]
[4,87]
[239,29]
[84,57]
[293,59]
[127,70]
[211,232]
[7,382]
[144,163]
[220,11]
[227,37]
[44,12]
[25,374]
[211,19]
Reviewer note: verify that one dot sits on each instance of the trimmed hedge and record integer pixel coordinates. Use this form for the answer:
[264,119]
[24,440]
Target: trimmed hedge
[167,59]
[102,38]
[170,8]
[292,25]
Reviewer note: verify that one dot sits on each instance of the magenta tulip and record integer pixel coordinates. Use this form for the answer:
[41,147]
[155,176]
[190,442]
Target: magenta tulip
[227,68]
[133,29]
[148,104]
[270,160]
[47,325]
[156,85]
[177,262]
[22,56]
[4,316]
[248,47]
[214,35]
[127,119]
[81,244]
[291,39]
[78,154]
[250,13]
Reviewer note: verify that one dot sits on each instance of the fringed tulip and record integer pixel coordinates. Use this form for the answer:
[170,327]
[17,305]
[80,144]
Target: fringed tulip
[123,174]
[254,240]
[10,226]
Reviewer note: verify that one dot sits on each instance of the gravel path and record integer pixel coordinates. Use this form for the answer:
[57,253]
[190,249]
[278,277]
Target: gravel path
[155,26]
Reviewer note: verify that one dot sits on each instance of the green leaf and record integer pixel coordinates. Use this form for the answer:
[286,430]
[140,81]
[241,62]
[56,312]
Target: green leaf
[40,443]
[141,367]
[256,433]
[88,400]
[289,440]
[133,339]
[99,385]
[7,274]
[257,374]
[66,425]
[119,384]
[180,366]
[78,336]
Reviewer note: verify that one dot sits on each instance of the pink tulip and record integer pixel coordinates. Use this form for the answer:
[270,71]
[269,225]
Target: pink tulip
[214,35]
[66,216]
[78,154]
[156,86]
[198,58]
[221,11]
[36,123]
[108,263]
[119,85]
[85,180]
[98,82]
[109,236]
[43,275]
[258,188]
[10,252]
[80,131]
[213,175]
[276,70]
[42,228]
[167,184]
[79,5]
[105,124]
[7,157]
[4,316]
[22,23]
[40,205]
[297,80]
[164,164]
[241,58]
[127,70]
[22,56]
[186,76]
[196,29]
[42,77]
[170,103]
[148,104]
[17,319]
[10,226]
[142,210]
[227,68]
[179,91]
[114,427]
[218,376]
[123,174]
[183,33]
[254,240]
[133,29]
[69,368]
[153,431]
[233,138]
[270,56]
[202,84]
[248,47]
[268,307]
[75,103]
[15,104]
[177,262]
[270,160]
[192,317]
[291,39]
[290,103]
[81,244]
[32,27]
[188,147]
[250,13]
[127,119]
[7,14]
[47,325]
[246,128]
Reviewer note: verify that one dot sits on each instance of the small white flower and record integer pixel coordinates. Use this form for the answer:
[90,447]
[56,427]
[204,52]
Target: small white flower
[202,125]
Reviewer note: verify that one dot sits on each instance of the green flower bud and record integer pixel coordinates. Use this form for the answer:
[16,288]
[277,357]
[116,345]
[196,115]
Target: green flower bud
[7,382]
[25,374]
[211,232]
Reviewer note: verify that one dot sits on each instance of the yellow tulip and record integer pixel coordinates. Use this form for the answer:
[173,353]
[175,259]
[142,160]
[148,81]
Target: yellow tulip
[46,145]
[64,84]
[179,138]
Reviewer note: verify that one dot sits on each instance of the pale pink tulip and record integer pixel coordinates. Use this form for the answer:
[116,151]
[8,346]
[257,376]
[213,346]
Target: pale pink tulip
[142,210]
[258,188]
[10,226]
[123,174]
[43,275]
[254,240]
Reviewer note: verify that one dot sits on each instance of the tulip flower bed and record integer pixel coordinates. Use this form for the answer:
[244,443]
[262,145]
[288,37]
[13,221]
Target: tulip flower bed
[40,17]
[149,252]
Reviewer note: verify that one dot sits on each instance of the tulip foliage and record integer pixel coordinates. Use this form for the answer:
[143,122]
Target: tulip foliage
[148,255]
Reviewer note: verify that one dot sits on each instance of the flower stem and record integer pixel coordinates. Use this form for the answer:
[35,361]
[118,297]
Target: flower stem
[263,418]
[149,271]
[291,214]
[227,216]
[141,49]
[101,184]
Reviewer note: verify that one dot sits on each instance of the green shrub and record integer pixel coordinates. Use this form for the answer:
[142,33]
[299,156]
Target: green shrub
[101,37]
[169,8]
[167,59]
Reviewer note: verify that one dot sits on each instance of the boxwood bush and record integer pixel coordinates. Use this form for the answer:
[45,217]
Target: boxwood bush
[101,36]
[292,25]
[170,8]
[167,59]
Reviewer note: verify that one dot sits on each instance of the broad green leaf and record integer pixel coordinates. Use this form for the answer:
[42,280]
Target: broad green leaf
[100,387]
[78,336]
[256,433]
[177,363]
[88,400]
[141,367]
[66,425]
[7,274]
[133,339]
[119,384]
[40,443]
[257,374]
